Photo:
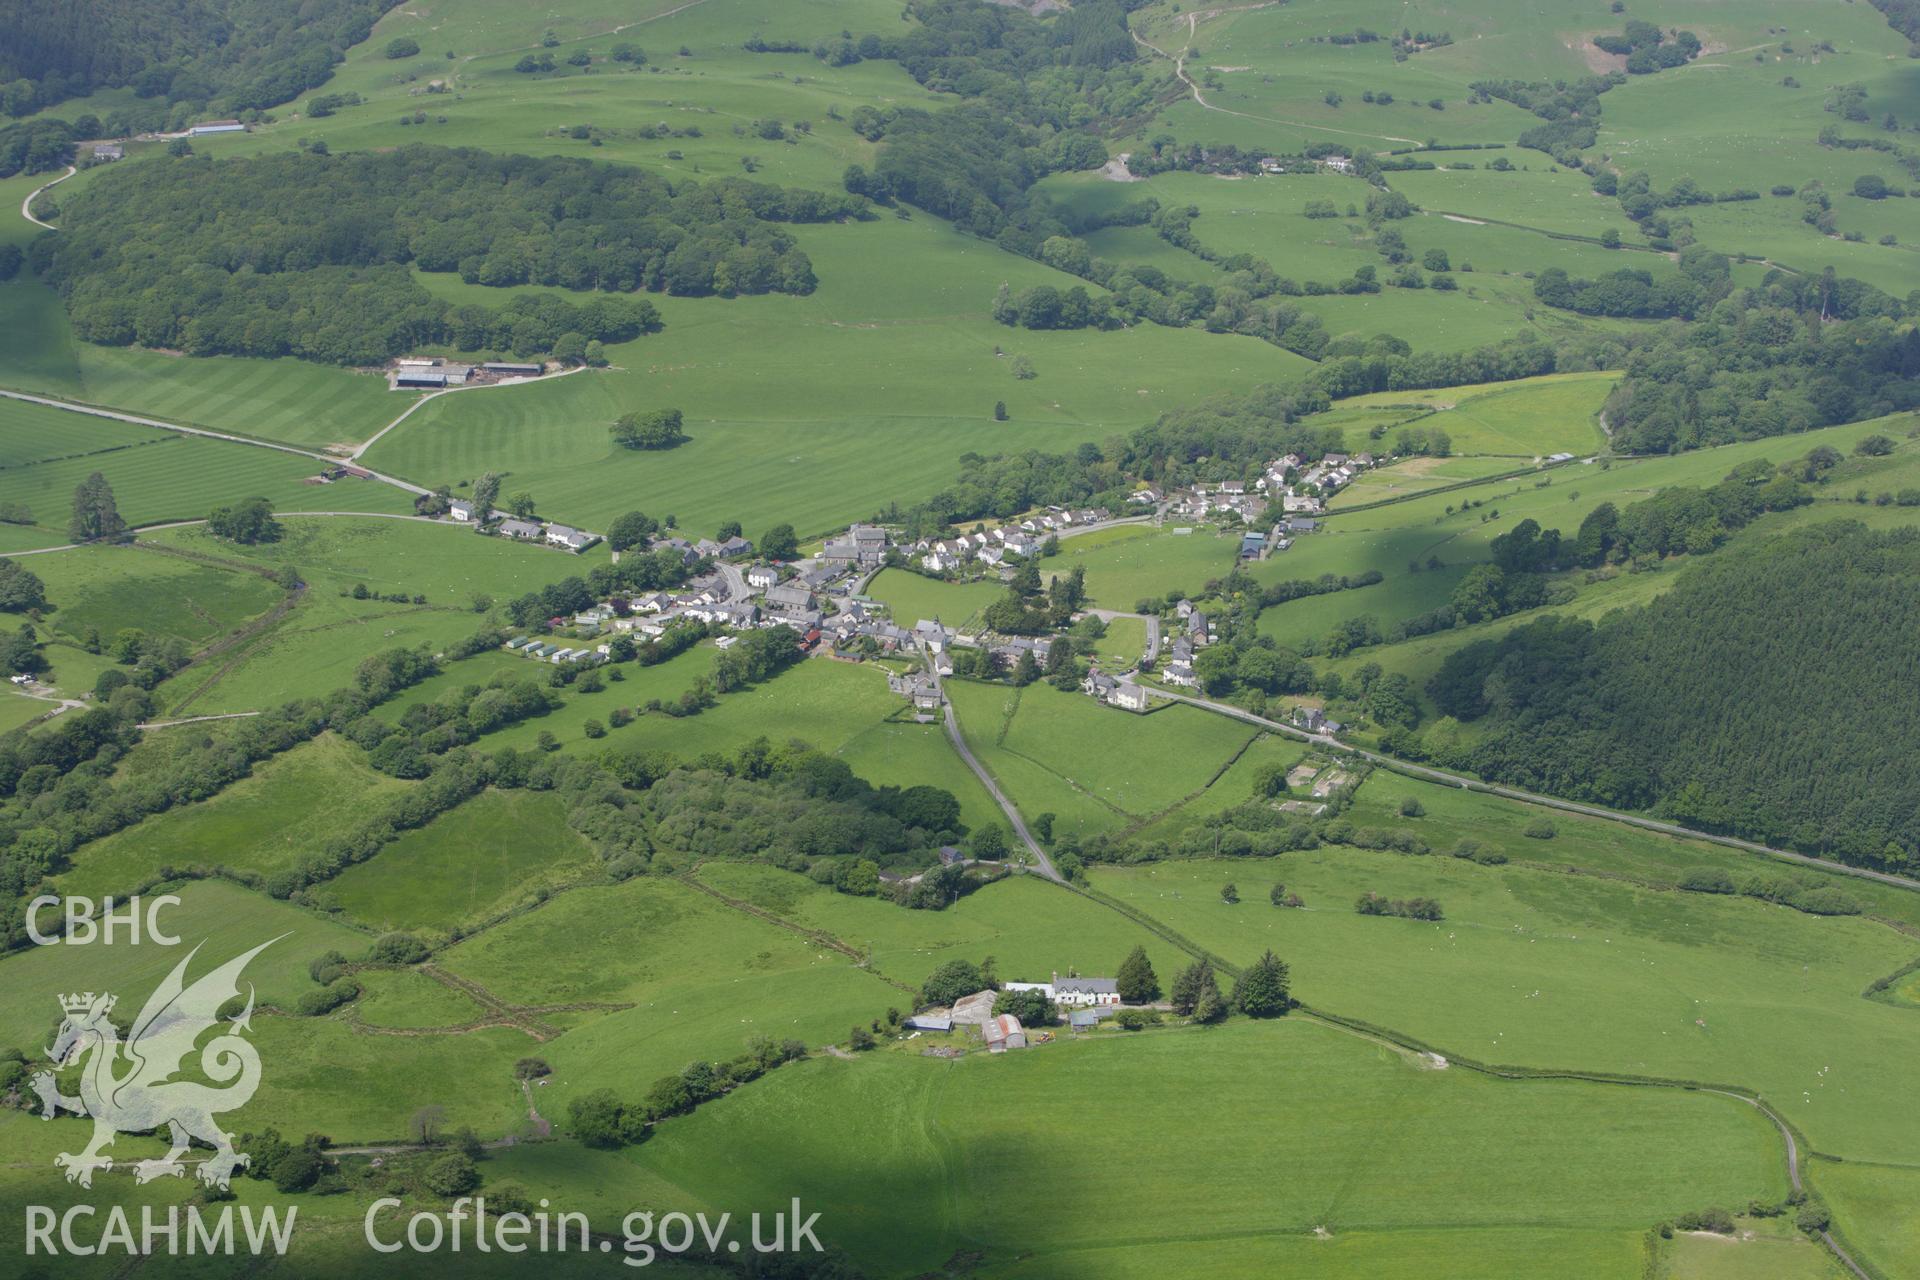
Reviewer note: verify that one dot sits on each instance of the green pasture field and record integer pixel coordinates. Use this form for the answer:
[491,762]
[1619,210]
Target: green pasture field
[309,405]
[695,976]
[822,703]
[1385,538]
[1415,476]
[772,427]
[328,1241]
[1541,968]
[1143,247]
[263,823]
[910,597]
[1230,789]
[31,433]
[1495,1151]
[181,477]
[1527,419]
[902,753]
[448,563]
[718,87]
[1044,748]
[222,919]
[1873,1205]
[106,589]
[328,1075]
[1030,928]
[315,648]
[1762,1249]
[17,709]
[1402,596]
[499,850]
[408,999]
[1133,562]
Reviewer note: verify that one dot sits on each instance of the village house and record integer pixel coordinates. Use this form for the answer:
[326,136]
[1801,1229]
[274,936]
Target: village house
[1199,628]
[1074,992]
[762,576]
[525,530]
[460,510]
[1124,694]
[917,688]
[561,535]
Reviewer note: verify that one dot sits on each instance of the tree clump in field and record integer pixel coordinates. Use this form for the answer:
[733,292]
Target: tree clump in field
[951,981]
[1196,993]
[247,522]
[1136,980]
[653,429]
[1262,991]
[1372,904]
[312,255]
[21,591]
[96,517]
[1646,47]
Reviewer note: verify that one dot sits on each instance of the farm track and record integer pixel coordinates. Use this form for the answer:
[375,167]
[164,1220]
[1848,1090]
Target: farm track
[499,1012]
[205,432]
[374,439]
[1179,61]
[1042,863]
[26,206]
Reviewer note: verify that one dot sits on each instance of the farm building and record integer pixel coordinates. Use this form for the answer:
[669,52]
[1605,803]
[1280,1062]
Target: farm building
[216,126]
[930,1021]
[1004,1032]
[108,151]
[789,598]
[421,378]
[514,370]
[974,1010]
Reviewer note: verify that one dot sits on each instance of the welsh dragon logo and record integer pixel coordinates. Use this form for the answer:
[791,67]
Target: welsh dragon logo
[129,1087]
